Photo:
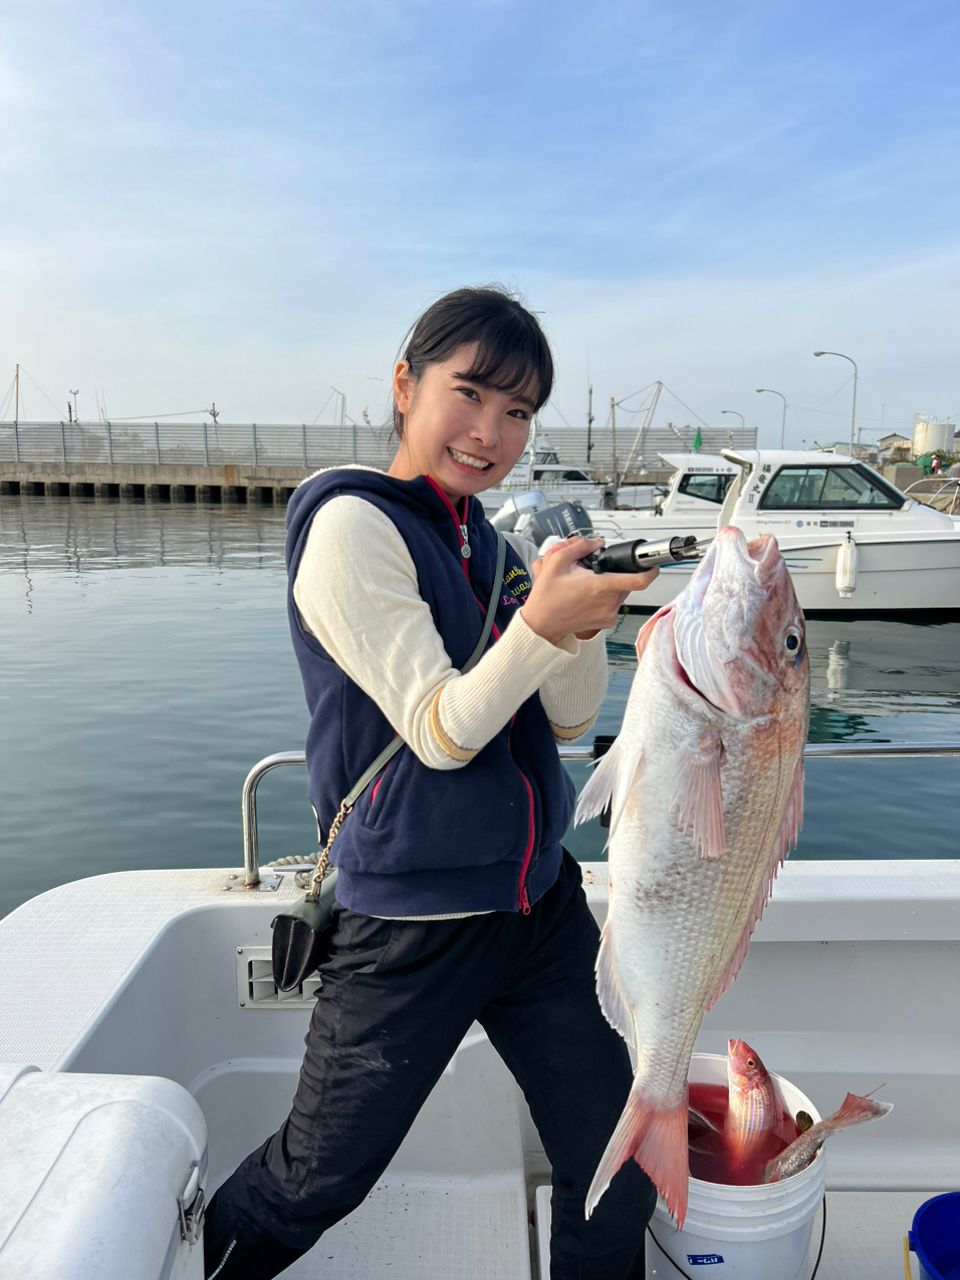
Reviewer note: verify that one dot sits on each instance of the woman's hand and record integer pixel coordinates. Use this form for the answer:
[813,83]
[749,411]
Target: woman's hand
[567,599]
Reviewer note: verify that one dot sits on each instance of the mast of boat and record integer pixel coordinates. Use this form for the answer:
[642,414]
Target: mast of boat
[589,420]
[641,435]
[613,438]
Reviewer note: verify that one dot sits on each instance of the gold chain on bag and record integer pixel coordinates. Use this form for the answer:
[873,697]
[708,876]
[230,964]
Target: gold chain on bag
[324,860]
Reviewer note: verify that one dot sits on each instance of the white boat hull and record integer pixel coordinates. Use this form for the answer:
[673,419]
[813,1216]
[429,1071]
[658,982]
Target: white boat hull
[892,576]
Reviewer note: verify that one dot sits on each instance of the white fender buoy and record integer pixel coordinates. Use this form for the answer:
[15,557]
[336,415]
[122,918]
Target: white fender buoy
[846,577]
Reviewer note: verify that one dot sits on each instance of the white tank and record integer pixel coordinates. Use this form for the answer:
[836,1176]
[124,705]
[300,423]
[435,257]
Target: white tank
[930,436]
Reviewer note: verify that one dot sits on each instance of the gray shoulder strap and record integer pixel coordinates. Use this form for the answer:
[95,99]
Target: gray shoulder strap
[393,747]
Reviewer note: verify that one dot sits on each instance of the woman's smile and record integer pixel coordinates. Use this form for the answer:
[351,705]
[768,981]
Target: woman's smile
[444,405]
[468,460]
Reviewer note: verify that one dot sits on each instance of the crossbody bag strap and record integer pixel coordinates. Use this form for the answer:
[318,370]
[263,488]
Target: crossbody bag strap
[389,751]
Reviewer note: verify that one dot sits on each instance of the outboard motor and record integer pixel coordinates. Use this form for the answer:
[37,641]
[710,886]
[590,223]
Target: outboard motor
[560,521]
[516,510]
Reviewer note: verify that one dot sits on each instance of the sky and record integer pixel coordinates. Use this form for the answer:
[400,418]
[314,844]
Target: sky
[249,203]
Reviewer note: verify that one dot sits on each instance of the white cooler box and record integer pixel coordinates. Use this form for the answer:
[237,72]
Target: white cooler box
[100,1177]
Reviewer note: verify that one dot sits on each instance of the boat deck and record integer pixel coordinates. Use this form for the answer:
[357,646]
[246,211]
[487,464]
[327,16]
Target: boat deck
[847,985]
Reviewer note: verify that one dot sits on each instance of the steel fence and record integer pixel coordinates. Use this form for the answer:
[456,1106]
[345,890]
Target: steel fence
[312,445]
[194,444]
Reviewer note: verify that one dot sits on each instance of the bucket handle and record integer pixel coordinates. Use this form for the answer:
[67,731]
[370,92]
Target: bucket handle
[907,1270]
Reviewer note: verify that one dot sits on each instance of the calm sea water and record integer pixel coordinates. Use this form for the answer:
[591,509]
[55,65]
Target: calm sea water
[147,666]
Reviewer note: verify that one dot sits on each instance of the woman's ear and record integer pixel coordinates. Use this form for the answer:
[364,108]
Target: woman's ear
[403,386]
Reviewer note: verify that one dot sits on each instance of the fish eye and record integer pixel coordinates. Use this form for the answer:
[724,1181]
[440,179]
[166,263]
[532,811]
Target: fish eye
[792,640]
[751,1062]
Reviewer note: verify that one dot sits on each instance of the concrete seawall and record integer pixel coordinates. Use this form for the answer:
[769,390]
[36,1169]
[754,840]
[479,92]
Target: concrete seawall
[165,483]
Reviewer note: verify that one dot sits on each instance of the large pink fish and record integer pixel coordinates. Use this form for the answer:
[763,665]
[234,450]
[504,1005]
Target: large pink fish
[705,783]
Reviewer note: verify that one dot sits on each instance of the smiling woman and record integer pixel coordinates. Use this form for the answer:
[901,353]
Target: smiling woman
[475,370]
[456,901]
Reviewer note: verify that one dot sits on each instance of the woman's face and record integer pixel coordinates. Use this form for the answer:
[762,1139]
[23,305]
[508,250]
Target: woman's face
[464,434]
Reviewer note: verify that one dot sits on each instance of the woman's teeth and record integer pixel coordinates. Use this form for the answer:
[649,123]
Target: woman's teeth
[467,461]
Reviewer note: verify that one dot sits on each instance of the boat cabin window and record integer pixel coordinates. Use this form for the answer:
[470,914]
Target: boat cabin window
[551,473]
[828,488]
[710,488]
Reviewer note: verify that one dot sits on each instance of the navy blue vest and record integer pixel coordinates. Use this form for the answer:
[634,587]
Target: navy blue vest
[420,841]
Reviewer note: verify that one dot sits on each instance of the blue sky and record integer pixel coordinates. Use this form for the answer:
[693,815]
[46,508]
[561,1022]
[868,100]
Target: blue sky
[249,202]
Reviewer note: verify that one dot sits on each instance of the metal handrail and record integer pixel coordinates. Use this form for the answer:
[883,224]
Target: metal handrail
[932,488]
[812,751]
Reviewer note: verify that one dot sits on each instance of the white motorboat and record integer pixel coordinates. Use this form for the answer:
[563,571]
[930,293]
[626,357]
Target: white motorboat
[561,481]
[690,504]
[853,542]
[146,1050]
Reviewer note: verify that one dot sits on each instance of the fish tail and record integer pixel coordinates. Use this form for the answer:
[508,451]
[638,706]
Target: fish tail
[656,1138]
[854,1110]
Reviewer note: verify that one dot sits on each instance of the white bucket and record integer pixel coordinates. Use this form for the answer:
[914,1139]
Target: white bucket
[751,1233]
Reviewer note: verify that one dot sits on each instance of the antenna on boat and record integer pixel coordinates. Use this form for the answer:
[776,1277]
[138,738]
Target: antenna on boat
[589,419]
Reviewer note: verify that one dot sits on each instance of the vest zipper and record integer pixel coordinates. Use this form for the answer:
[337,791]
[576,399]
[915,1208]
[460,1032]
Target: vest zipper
[465,551]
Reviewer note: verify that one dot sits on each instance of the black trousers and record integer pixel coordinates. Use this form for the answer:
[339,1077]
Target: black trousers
[397,998]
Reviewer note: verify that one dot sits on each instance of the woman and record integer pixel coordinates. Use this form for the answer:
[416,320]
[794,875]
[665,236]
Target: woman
[456,901]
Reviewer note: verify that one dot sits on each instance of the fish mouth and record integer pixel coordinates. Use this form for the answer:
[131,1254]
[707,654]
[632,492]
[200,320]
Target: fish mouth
[707,666]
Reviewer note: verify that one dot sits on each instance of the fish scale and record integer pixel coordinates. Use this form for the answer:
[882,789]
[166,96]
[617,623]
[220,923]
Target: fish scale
[705,787]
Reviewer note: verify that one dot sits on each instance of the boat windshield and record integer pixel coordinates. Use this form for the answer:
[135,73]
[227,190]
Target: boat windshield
[558,473]
[806,488]
[710,488]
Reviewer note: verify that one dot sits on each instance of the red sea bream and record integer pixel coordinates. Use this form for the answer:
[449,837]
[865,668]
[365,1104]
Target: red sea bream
[705,784]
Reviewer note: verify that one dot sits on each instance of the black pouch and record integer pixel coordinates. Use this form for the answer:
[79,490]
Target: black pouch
[302,934]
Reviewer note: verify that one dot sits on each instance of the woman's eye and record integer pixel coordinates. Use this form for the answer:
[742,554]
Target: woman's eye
[521,414]
[470,392]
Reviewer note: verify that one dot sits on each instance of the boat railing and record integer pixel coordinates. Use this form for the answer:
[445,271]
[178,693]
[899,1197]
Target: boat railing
[570,755]
[939,492]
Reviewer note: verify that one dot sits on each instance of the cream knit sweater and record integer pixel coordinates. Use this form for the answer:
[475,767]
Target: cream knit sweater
[356,591]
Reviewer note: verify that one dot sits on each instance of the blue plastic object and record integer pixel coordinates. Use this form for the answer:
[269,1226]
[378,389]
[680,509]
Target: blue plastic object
[935,1237]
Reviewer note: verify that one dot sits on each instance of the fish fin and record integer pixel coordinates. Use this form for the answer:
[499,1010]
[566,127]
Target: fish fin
[699,804]
[855,1110]
[792,815]
[783,842]
[656,1138]
[598,789]
[646,631]
[610,989]
[609,784]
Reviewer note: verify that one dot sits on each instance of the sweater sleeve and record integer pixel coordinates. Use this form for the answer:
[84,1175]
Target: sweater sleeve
[571,694]
[356,591]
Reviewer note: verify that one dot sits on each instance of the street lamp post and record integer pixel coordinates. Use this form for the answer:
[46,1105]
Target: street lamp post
[853,418]
[783,417]
[743,421]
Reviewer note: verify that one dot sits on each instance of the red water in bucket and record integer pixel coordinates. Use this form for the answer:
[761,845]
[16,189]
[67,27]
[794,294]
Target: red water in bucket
[935,1238]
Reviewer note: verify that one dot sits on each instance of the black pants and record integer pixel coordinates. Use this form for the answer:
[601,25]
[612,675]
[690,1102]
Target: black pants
[397,998]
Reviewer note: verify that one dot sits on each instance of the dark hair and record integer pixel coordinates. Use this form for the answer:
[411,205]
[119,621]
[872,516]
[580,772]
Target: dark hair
[512,353]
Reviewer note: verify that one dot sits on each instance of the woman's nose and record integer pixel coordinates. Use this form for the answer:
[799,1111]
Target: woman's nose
[486,428]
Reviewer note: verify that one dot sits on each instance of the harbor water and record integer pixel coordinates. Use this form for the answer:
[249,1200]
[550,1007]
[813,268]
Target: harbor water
[147,666]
